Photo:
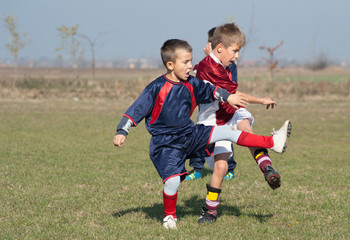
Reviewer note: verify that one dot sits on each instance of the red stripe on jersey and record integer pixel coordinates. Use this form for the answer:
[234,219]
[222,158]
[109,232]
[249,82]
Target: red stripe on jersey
[215,92]
[160,101]
[130,119]
[193,99]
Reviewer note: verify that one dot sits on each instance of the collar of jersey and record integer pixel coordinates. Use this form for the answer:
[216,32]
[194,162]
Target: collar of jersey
[211,54]
[171,81]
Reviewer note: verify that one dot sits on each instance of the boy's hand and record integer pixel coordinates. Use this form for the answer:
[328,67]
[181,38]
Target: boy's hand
[237,100]
[269,102]
[119,140]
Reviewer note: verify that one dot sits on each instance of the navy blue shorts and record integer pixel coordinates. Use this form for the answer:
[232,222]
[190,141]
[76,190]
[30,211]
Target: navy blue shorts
[169,152]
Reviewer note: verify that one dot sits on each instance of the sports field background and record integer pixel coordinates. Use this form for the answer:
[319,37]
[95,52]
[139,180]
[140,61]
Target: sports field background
[62,178]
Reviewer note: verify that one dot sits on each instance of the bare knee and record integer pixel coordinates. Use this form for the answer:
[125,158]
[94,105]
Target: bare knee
[221,167]
[244,125]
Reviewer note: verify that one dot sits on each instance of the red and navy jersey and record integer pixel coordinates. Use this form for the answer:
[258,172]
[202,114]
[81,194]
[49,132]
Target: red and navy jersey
[208,69]
[233,69]
[167,106]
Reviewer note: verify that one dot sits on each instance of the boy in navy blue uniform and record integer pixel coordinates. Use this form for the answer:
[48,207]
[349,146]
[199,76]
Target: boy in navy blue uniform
[166,104]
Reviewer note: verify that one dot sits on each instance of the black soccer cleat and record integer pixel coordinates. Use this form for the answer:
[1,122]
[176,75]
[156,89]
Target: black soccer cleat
[206,216]
[272,177]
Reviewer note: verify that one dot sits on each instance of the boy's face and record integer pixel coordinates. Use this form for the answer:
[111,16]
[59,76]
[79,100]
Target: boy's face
[182,66]
[228,55]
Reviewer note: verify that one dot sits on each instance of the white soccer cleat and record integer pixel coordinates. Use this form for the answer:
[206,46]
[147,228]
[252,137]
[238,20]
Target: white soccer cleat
[169,222]
[280,137]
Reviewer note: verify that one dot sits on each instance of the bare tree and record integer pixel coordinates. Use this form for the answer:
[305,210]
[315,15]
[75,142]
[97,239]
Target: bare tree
[231,18]
[92,44]
[321,62]
[272,62]
[92,48]
[71,46]
[249,34]
[17,40]
[317,62]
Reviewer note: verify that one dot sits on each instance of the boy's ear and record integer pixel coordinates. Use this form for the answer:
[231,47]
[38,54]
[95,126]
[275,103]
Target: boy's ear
[170,65]
[220,47]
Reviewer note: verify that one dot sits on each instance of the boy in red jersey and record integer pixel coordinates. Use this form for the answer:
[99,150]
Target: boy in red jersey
[198,163]
[215,68]
[166,104]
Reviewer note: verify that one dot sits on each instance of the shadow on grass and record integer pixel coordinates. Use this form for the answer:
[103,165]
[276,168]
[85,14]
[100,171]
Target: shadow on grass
[191,207]
[206,171]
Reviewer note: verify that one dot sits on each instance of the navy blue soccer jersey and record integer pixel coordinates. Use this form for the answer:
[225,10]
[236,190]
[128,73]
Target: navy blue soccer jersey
[167,106]
[233,69]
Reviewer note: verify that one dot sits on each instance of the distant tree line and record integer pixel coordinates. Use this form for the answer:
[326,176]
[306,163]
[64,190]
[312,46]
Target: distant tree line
[71,50]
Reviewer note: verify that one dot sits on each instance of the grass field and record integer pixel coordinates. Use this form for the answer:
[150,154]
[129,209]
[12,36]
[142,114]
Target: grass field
[62,178]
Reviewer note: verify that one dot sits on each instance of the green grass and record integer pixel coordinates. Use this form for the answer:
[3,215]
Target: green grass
[62,178]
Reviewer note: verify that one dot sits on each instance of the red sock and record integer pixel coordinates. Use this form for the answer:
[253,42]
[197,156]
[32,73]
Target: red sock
[262,158]
[252,140]
[212,205]
[170,204]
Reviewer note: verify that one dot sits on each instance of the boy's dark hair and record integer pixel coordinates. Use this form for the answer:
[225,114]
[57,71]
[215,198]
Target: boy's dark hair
[211,34]
[228,34]
[168,50]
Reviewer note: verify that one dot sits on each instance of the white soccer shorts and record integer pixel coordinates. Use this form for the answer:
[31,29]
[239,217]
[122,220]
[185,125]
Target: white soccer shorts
[225,146]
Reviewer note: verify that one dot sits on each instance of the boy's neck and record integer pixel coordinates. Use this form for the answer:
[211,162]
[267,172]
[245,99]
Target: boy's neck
[216,58]
[171,76]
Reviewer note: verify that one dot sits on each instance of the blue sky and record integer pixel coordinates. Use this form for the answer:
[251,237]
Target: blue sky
[139,28]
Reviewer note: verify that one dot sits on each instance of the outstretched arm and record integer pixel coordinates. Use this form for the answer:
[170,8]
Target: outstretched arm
[205,89]
[236,100]
[268,101]
[135,113]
